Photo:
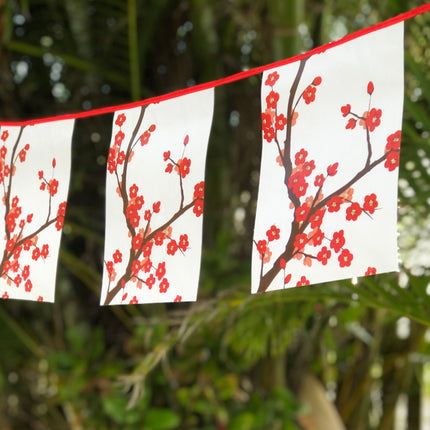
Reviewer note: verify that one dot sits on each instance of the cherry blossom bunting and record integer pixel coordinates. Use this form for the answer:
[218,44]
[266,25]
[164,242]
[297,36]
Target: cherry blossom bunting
[327,203]
[154,201]
[34,176]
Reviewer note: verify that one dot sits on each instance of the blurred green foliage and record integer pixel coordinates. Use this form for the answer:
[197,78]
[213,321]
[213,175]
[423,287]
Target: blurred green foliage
[230,360]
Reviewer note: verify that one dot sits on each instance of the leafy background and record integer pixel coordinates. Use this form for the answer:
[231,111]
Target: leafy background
[307,358]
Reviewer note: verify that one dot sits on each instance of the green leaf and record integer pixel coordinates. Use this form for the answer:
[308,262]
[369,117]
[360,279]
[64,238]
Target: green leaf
[161,419]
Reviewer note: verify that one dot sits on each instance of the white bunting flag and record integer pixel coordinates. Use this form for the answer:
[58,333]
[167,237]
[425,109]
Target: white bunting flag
[327,202]
[154,201]
[34,182]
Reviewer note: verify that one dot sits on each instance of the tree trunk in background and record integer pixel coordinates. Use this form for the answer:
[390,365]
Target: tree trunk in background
[286,18]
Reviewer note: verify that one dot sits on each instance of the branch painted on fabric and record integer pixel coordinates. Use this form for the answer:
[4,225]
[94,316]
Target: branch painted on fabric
[306,238]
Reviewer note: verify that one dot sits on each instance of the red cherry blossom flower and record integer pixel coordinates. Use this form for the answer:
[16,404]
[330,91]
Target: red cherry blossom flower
[324,255]
[147,248]
[15,266]
[147,265]
[300,157]
[178,299]
[166,155]
[370,88]
[261,246]
[117,256]
[136,242]
[272,233]
[111,166]
[159,238]
[332,169]
[60,212]
[136,266]
[161,270]
[169,168]
[156,207]
[40,299]
[353,212]
[392,160]
[370,271]
[147,216]
[269,134]
[198,207]
[345,109]
[9,245]
[28,286]
[393,141]
[17,252]
[309,94]
[351,124]
[266,120]
[36,254]
[272,99]
[319,181]
[150,281]
[59,224]
[345,258]
[266,256]
[280,122]
[303,281]
[301,213]
[199,190]
[53,187]
[152,128]
[184,167]
[5,295]
[172,247]
[6,266]
[22,154]
[282,263]
[308,167]
[338,241]
[373,119]
[45,250]
[317,81]
[145,138]
[133,301]
[287,278]
[272,79]
[370,203]
[26,272]
[120,119]
[183,242]
[186,140]
[17,280]
[316,237]
[4,136]
[317,218]
[164,286]
[133,191]
[3,152]
[119,137]
[138,202]
[120,158]
[27,244]
[334,203]
[301,241]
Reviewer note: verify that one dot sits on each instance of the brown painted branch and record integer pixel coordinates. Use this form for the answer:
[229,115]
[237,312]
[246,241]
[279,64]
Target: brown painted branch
[288,164]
